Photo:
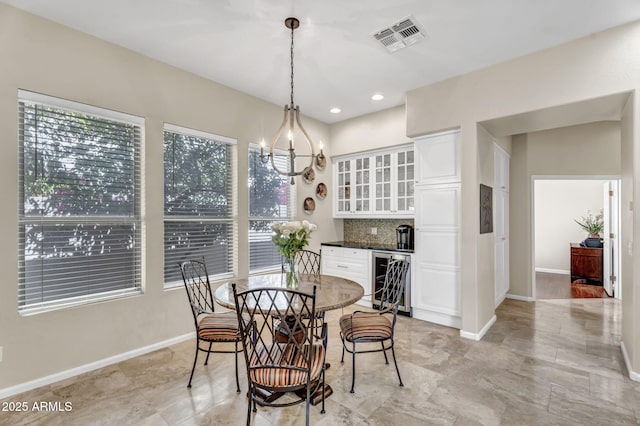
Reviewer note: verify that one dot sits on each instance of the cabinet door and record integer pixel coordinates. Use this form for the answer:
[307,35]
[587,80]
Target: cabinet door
[349,263]
[436,285]
[343,194]
[405,177]
[382,170]
[379,183]
[362,196]
[439,158]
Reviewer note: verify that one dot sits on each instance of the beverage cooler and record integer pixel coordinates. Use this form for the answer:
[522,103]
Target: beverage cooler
[380,261]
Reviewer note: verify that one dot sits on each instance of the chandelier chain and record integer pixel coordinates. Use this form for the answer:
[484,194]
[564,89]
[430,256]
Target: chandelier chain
[292,28]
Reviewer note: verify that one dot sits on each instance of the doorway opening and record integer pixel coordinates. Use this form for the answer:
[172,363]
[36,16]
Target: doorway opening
[565,265]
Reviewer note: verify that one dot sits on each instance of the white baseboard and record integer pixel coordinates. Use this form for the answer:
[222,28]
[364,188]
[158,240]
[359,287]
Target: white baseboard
[633,375]
[47,380]
[553,271]
[480,335]
[500,299]
[522,298]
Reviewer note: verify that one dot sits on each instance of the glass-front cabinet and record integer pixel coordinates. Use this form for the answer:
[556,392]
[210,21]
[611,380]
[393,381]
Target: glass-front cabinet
[343,186]
[383,182]
[394,179]
[353,188]
[363,185]
[375,183]
[405,178]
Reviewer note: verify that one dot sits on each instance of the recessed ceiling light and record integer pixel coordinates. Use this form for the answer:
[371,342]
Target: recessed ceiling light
[377,97]
[335,110]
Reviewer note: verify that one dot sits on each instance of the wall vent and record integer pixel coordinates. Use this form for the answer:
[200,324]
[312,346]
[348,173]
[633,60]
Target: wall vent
[399,35]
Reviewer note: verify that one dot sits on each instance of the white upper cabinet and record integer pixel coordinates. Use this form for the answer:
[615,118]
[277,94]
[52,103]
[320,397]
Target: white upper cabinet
[353,186]
[394,175]
[375,184]
[439,158]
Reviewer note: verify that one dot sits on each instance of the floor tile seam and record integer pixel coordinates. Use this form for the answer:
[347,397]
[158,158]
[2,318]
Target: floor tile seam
[599,373]
[603,403]
[590,395]
[615,360]
[520,398]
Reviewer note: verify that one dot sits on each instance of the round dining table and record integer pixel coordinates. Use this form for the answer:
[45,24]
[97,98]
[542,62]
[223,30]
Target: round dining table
[331,292]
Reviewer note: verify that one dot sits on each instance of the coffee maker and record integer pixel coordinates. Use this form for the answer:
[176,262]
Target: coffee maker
[404,237]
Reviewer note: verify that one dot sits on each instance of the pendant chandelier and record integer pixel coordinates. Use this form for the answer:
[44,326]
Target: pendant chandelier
[291,118]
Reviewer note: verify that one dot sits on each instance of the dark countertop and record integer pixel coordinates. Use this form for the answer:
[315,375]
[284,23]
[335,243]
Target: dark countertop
[366,245]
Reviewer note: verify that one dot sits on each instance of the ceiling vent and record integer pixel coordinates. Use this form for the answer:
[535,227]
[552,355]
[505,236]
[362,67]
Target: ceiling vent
[401,34]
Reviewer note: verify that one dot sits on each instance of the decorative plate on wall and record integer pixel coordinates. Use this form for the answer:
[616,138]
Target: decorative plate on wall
[309,205]
[309,176]
[321,191]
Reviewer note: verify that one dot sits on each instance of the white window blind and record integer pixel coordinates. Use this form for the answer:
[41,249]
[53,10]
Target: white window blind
[271,199]
[198,202]
[79,209]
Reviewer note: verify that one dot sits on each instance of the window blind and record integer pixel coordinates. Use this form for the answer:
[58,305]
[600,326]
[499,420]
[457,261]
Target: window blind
[271,199]
[198,202]
[79,211]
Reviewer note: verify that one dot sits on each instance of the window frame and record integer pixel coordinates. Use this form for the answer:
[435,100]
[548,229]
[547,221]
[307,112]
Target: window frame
[26,219]
[231,219]
[291,210]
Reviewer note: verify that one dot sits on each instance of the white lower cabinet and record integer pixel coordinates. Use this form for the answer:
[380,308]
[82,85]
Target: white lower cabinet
[350,263]
[436,282]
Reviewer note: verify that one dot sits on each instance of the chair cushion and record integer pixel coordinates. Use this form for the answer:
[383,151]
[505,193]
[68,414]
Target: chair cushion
[218,327]
[365,327]
[278,354]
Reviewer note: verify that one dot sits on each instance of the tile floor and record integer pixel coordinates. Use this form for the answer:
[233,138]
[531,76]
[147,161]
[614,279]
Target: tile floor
[549,362]
[559,286]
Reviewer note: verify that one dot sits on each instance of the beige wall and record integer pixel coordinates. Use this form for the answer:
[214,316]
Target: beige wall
[591,67]
[628,218]
[372,131]
[486,242]
[41,56]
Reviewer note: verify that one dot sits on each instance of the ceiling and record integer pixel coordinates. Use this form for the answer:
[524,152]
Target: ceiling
[245,45]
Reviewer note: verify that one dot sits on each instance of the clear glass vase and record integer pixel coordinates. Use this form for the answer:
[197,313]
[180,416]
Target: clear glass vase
[290,267]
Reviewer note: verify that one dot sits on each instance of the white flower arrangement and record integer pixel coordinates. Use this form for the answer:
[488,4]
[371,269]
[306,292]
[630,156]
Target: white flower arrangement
[291,237]
[594,225]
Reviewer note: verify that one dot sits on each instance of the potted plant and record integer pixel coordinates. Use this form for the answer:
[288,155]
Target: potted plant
[593,225]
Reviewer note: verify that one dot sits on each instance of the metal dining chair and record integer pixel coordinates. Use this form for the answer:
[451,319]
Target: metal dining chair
[308,262]
[211,327]
[283,348]
[376,327]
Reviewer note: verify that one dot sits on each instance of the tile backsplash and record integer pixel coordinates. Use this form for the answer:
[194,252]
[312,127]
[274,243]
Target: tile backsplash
[360,230]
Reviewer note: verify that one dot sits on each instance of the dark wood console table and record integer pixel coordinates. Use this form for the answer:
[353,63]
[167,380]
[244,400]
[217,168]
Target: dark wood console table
[586,263]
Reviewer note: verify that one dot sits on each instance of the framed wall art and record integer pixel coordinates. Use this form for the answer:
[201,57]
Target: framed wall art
[486,209]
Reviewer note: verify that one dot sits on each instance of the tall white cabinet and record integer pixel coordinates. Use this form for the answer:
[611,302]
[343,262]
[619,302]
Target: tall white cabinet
[436,279]
[501,222]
